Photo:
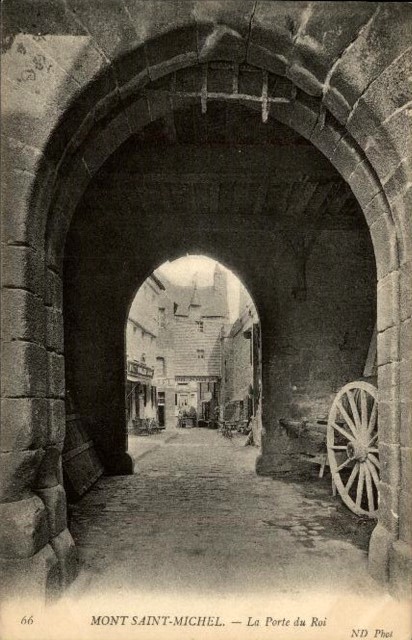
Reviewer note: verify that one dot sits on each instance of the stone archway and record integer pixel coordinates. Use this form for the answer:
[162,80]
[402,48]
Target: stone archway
[352,118]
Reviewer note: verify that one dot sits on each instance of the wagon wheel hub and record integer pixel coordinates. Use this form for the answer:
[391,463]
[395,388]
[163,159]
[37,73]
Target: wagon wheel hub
[357,451]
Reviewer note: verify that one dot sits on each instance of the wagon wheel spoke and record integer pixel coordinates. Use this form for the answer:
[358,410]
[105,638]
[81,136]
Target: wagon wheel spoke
[359,489]
[373,473]
[347,419]
[364,410]
[355,412]
[344,464]
[373,450]
[369,489]
[338,447]
[342,432]
[352,477]
[375,460]
[373,439]
[373,416]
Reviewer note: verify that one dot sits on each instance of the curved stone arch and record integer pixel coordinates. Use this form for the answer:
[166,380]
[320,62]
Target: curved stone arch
[382,203]
[305,116]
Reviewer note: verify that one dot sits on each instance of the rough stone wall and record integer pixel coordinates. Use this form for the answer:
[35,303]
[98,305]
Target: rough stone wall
[353,102]
[238,372]
[317,344]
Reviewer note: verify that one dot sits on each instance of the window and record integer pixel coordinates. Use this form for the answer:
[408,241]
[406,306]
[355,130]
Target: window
[200,326]
[162,317]
[200,354]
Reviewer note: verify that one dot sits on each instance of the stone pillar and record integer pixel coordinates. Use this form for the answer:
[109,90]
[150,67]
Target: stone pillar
[29,563]
[387,530]
[400,558]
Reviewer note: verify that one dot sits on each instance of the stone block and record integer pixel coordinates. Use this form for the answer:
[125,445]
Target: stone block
[105,142]
[388,346]
[335,102]
[24,529]
[406,348]
[398,182]
[57,422]
[378,557]
[377,208]
[272,32]
[21,222]
[389,507]
[388,301]
[58,227]
[56,377]
[48,475]
[39,93]
[23,316]
[387,94]
[18,470]
[405,504]
[66,552]
[54,499]
[362,62]
[138,114]
[400,570]
[174,50]
[22,268]
[364,183]
[109,26]
[387,146]
[346,157]
[406,291]
[159,104]
[406,467]
[31,578]
[53,295]
[21,156]
[388,382]
[389,421]
[55,338]
[302,116]
[24,368]
[390,461]
[405,423]
[326,137]
[401,207]
[320,43]
[23,423]
[304,79]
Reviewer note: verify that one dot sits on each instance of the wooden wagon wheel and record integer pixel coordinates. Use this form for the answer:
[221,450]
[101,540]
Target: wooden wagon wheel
[352,444]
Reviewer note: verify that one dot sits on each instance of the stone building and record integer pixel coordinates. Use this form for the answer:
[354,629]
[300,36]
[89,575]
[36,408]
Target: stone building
[241,367]
[278,135]
[141,353]
[189,341]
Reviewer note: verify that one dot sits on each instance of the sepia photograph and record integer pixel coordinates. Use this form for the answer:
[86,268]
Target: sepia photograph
[206,370]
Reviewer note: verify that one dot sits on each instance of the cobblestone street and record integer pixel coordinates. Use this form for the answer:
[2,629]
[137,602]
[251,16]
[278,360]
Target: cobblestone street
[196,517]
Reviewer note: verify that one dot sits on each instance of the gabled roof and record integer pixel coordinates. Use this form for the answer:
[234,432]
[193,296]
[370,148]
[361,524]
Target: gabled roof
[212,302]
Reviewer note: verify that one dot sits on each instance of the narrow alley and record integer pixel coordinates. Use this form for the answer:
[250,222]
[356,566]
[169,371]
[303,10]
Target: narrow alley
[196,518]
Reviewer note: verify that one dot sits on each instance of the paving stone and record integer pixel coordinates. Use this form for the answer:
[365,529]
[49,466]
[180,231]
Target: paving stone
[197,514]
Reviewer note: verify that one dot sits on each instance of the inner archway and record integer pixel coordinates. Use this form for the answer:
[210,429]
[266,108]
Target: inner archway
[270,207]
[193,353]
